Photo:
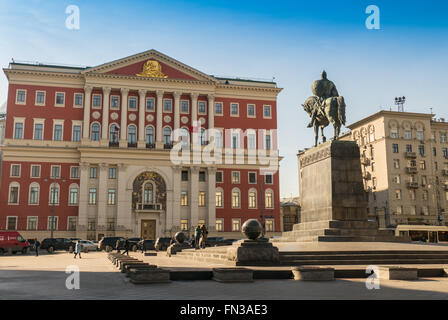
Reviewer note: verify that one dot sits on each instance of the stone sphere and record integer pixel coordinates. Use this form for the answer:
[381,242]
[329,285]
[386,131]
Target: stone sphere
[252,229]
[179,237]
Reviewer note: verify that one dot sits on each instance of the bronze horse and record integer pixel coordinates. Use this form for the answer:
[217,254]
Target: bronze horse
[333,111]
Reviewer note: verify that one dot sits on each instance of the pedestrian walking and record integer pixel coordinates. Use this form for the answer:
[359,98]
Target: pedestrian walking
[126,246]
[204,233]
[142,244]
[36,246]
[78,249]
[117,246]
[197,236]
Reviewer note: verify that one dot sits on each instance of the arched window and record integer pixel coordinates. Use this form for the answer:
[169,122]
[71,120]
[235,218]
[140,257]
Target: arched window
[236,198]
[34,193]
[185,138]
[114,134]
[167,136]
[202,137]
[148,193]
[149,137]
[219,197]
[73,194]
[132,136]
[14,192]
[252,198]
[54,193]
[269,199]
[96,129]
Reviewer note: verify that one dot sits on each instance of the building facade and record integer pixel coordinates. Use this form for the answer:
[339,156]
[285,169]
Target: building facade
[404,158]
[289,214]
[89,152]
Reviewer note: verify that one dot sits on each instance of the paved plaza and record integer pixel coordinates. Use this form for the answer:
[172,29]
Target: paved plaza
[44,277]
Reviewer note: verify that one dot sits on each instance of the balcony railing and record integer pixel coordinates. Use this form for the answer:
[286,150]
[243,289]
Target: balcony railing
[411,169]
[410,155]
[114,144]
[168,146]
[150,146]
[149,206]
[132,144]
[445,172]
[412,185]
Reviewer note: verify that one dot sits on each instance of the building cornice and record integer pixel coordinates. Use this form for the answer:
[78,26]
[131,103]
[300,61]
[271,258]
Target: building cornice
[393,114]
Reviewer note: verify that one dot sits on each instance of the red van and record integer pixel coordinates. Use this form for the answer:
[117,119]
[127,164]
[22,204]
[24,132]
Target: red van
[14,241]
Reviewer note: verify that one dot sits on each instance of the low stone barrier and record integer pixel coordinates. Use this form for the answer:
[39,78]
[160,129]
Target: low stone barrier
[313,273]
[398,273]
[152,275]
[233,275]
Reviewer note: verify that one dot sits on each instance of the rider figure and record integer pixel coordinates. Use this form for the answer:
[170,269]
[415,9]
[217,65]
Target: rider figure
[323,89]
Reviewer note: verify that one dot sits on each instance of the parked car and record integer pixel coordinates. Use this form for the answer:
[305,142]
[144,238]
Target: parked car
[109,243]
[162,243]
[53,244]
[88,245]
[12,240]
[219,241]
[148,245]
[133,243]
[31,243]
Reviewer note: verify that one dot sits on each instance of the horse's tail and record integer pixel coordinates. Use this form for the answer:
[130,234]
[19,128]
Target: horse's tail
[341,109]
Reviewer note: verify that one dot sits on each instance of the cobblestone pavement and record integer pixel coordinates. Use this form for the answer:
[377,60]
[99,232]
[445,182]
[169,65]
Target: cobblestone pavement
[44,277]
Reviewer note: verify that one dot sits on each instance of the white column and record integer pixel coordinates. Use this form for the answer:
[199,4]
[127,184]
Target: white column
[124,117]
[176,197]
[102,197]
[159,135]
[141,118]
[105,124]
[194,195]
[211,111]
[194,107]
[81,228]
[177,109]
[86,123]
[211,198]
[124,218]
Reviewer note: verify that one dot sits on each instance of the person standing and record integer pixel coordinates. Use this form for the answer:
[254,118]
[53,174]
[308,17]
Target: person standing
[117,246]
[142,244]
[126,246]
[197,236]
[204,233]
[78,249]
[36,246]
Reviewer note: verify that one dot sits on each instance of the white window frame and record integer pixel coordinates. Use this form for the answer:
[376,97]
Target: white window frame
[58,199]
[31,170]
[68,220]
[114,197]
[238,109]
[17,222]
[252,190]
[248,177]
[76,123]
[129,103]
[41,104]
[239,177]
[71,177]
[153,104]
[17,96]
[188,105]
[219,189]
[73,186]
[163,105]
[16,121]
[239,224]
[28,223]
[222,224]
[38,121]
[272,200]
[239,198]
[270,111]
[273,225]
[204,204]
[20,170]
[205,103]
[34,184]
[118,104]
[95,198]
[270,183]
[61,105]
[74,100]
[222,108]
[11,185]
[56,219]
[222,175]
[55,123]
[51,171]
[93,99]
[255,110]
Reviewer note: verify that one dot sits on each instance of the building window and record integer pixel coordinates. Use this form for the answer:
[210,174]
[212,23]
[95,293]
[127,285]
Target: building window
[31,223]
[35,171]
[423,165]
[38,131]
[445,152]
[91,224]
[73,197]
[202,109]
[111,197]
[110,224]
[132,103]
[396,179]
[184,107]
[202,176]
[92,196]
[115,102]
[201,200]
[425,211]
[149,136]
[78,100]
[252,199]
[167,135]
[236,198]
[113,134]
[218,108]
[56,171]
[268,199]
[18,130]
[11,223]
[95,132]
[399,210]
[96,101]
[219,225]
[267,143]
[93,172]
[269,225]
[398,194]
[167,105]
[394,133]
[218,138]
[268,178]
[57,134]
[235,138]
[184,225]
[132,136]
[252,177]
[219,176]
[74,173]
[234,109]
[409,148]
[71,224]
[407,134]
[184,198]
[396,163]
[112,173]
[34,195]
[219,196]
[184,175]
[54,194]
[15,170]
[395,148]
[235,177]
[40,98]
[21,97]
[236,225]
[421,150]
[267,112]
[150,104]
[420,135]
[443,137]
[76,133]
[13,194]
[251,111]
[60,99]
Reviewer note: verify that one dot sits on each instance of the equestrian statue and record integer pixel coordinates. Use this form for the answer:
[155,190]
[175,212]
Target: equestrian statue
[325,107]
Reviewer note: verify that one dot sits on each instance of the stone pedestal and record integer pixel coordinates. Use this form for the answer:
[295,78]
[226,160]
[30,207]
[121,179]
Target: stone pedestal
[398,273]
[333,200]
[253,253]
[232,275]
[140,276]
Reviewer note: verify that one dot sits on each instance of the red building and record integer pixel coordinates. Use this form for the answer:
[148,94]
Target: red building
[140,146]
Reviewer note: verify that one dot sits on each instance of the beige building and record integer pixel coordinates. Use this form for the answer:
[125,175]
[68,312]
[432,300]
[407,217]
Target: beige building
[289,214]
[404,159]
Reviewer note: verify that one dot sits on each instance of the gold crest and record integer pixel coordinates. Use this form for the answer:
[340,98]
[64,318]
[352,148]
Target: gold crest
[152,69]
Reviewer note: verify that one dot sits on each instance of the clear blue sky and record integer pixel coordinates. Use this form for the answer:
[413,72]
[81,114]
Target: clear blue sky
[291,41]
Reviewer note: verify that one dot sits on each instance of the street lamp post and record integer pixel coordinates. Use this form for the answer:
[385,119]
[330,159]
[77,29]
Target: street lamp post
[52,199]
[399,101]
[437,195]
[261,207]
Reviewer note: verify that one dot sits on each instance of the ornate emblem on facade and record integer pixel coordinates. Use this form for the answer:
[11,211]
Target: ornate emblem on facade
[159,192]
[150,118]
[167,118]
[114,116]
[96,115]
[184,120]
[132,117]
[201,120]
[152,69]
